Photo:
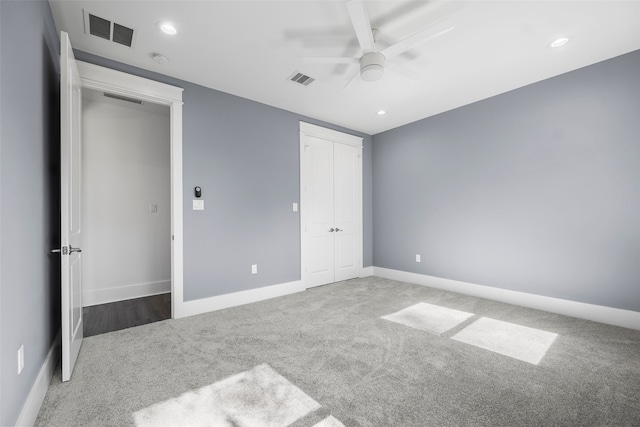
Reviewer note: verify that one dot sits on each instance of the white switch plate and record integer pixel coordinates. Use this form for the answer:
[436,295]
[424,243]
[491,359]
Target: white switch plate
[20,359]
[254,269]
[295,207]
[153,208]
[417,257]
[198,205]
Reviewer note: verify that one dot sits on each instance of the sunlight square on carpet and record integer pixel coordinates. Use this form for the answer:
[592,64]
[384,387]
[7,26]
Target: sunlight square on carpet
[258,397]
[429,317]
[516,341]
[330,421]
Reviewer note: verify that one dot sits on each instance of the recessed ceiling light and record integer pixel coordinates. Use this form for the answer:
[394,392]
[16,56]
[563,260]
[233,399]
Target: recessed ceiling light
[167,28]
[381,112]
[560,41]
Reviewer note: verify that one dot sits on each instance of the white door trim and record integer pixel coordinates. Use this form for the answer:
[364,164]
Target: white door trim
[330,134]
[105,79]
[308,129]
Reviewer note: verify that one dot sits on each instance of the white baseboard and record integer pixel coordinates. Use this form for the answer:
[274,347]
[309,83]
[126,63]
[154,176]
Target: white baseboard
[36,396]
[596,313]
[366,272]
[191,308]
[121,293]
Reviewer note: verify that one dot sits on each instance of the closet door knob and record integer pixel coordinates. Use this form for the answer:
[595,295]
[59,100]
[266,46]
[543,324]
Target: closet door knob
[331,230]
[337,229]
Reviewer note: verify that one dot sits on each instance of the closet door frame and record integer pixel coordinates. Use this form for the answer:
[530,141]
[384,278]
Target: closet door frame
[310,130]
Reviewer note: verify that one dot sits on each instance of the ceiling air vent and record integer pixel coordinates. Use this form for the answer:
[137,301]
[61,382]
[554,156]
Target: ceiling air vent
[108,30]
[99,27]
[122,34]
[122,98]
[301,78]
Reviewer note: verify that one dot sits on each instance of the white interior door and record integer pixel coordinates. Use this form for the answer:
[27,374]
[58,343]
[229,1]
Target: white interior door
[317,211]
[346,193]
[330,205]
[71,227]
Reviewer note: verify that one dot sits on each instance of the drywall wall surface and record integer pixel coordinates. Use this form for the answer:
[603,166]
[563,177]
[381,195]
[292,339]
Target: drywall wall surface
[535,190]
[126,203]
[245,157]
[29,196]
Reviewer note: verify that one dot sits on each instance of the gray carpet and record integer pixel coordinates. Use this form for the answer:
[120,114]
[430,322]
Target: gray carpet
[331,343]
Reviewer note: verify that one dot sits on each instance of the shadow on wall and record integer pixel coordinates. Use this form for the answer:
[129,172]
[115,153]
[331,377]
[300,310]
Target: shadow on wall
[51,150]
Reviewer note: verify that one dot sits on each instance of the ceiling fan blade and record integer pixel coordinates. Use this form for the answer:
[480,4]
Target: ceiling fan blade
[329,60]
[398,69]
[414,40]
[354,78]
[361,25]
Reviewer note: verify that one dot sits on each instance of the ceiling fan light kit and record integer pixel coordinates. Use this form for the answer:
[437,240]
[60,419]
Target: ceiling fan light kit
[372,66]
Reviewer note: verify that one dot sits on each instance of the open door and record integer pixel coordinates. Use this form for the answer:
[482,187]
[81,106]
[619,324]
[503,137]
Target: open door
[70,190]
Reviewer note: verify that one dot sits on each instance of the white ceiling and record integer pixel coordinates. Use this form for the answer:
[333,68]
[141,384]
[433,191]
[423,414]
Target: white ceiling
[250,48]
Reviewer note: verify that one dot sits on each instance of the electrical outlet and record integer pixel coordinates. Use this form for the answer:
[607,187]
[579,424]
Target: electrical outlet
[417,257]
[20,359]
[254,269]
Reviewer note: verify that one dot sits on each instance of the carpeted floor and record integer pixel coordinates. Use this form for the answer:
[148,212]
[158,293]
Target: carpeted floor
[332,344]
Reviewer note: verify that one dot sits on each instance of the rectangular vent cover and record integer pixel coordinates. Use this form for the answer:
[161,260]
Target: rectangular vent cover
[122,34]
[108,30]
[99,27]
[301,78]
[122,98]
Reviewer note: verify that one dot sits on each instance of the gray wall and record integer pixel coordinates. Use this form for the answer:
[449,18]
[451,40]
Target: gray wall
[245,156]
[535,190]
[29,206]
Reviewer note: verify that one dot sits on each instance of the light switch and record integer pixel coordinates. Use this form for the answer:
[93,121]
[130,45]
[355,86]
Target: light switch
[198,205]
[295,207]
[254,269]
[417,258]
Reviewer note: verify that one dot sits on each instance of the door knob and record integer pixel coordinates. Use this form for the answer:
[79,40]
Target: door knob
[337,229]
[331,230]
[65,250]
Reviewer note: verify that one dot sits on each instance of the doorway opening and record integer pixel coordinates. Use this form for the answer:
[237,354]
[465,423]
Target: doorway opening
[126,211]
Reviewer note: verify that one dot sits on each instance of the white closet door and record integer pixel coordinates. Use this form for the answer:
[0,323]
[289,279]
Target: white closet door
[330,205]
[346,193]
[317,211]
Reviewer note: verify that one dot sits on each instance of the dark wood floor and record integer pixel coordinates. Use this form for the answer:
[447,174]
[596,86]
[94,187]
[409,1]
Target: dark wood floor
[99,319]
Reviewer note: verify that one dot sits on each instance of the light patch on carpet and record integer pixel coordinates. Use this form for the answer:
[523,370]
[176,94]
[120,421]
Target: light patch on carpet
[519,342]
[330,421]
[428,317]
[258,397]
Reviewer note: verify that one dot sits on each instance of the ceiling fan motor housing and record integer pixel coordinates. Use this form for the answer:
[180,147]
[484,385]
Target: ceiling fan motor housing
[372,66]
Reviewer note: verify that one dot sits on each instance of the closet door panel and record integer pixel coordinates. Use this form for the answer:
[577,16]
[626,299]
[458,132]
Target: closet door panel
[346,210]
[317,208]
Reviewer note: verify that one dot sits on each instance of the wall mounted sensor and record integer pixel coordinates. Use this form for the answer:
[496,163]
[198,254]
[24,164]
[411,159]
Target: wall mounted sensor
[198,191]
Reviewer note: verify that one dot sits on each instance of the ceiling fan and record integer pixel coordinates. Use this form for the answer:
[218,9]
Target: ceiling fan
[373,61]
